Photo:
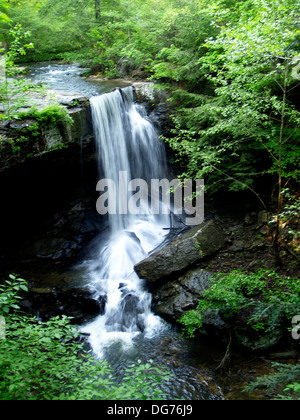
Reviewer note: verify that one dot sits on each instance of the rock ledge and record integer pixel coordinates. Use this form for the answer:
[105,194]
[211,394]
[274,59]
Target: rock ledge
[181,253]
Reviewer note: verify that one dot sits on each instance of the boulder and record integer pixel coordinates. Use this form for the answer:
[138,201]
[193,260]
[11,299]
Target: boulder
[68,232]
[68,98]
[199,242]
[129,316]
[23,140]
[55,248]
[174,298]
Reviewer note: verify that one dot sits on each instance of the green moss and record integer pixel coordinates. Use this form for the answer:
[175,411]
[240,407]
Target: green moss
[51,114]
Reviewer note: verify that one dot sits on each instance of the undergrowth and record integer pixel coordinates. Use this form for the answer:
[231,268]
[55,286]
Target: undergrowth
[48,361]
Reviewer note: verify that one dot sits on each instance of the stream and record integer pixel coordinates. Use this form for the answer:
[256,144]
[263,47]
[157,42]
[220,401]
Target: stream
[68,77]
[127,141]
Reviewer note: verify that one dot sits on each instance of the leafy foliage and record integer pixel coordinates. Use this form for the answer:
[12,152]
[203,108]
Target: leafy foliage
[250,126]
[56,27]
[13,88]
[285,381]
[272,299]
[3,6]
[47,361]
[50,114]
[31,134]
[233,70]
[9,294]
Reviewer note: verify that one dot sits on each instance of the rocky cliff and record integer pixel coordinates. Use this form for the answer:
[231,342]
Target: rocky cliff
[25,138]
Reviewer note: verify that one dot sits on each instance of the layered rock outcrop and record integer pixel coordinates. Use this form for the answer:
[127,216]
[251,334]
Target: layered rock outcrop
[197,243]
[180,272]
[24,139]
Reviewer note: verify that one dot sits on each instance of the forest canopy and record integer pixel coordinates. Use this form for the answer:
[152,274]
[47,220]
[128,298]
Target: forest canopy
[232,68]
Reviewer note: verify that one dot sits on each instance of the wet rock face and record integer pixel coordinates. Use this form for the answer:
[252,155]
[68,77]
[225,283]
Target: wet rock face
[179,273]
[129,316]
[174,298]
[43,167]
[68,232]
[199,242]
[76,303]
[22,140]
[177,286]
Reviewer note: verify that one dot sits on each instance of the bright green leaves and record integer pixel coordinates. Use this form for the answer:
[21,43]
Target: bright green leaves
[250,126]
[4,5]
[9,293]
[13,88]
[47,360]
[270,297]
[142,380]
[50,114]
[44,361]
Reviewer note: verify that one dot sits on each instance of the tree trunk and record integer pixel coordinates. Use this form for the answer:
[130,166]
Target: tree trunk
[280,144]
[97,10]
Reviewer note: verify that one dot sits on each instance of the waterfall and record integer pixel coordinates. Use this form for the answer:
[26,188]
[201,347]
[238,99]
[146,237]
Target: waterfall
[126,143]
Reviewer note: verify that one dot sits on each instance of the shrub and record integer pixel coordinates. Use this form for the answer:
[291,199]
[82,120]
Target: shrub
[285,382]
[46,361]
[270,296]
[51,114]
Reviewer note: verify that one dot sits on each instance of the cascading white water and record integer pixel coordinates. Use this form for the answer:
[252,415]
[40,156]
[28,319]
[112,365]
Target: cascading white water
[126,141]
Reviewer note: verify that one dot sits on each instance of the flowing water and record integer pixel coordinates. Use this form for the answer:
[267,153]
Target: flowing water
[128,143]
[68,77]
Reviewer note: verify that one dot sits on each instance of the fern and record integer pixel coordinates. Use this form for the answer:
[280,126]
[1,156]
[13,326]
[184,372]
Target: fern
[273,300]
[285,382]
